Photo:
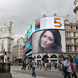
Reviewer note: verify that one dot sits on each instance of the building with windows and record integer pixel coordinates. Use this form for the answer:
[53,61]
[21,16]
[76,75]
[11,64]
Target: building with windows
[18,48]
[71,37]
[6,42]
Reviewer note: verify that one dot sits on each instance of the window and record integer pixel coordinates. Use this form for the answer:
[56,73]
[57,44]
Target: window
[61,56]
[71,26]
[38,56]
[74,40]
[75,48]
[77,27]
[67,40]
[74,34]
[53,56]
[66,34]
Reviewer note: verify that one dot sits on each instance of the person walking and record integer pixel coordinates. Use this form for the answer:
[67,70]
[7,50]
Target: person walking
[67,68]
[73,68]
[23,66]
[33,67]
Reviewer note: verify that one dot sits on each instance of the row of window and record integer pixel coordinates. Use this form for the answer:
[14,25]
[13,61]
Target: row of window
[72,48]
[4,30]
[71,27]
[46,56]
[72,34]
[71,40]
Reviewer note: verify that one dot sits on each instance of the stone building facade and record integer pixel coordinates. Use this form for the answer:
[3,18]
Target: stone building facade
[18,48]
[6,42]
[71,35]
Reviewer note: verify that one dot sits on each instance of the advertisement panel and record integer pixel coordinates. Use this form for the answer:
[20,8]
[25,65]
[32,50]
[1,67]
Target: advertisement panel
[26,37]
[52,23]
[37,24]
[28,44]
[57,22]
[30,31]
[45,23]
[33,27]
[48,41]
[42,24]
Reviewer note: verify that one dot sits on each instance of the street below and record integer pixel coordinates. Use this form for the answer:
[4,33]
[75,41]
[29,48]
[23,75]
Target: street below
[40,73]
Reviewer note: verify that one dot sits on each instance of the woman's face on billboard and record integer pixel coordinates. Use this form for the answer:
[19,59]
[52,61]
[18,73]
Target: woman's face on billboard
[47,40]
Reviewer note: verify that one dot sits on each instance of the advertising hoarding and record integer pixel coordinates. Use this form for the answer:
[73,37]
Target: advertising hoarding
[42,24]
[49,41]
[37,24]
[28,45]
[46,23]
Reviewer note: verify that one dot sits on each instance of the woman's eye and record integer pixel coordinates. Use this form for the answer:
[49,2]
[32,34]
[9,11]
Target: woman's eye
[50,39]
[44,36]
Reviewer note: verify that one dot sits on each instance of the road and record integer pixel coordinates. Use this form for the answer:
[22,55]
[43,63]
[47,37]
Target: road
[39,72]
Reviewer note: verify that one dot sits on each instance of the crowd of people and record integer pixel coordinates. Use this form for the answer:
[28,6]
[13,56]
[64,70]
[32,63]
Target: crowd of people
[67,66]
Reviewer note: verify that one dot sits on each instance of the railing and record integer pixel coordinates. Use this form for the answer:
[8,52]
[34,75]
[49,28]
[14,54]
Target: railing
[4,67]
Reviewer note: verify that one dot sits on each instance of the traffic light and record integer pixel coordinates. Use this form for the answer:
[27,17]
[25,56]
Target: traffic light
[5,53]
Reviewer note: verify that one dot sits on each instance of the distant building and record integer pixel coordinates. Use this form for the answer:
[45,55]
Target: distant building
[6,42]
[18,48]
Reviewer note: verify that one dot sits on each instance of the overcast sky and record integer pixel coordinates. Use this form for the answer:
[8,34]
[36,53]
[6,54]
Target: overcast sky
[24,12]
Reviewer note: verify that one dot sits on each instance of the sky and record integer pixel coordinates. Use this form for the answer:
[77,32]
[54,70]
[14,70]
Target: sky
[24,12]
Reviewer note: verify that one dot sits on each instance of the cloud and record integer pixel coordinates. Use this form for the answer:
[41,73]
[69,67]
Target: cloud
[24,12]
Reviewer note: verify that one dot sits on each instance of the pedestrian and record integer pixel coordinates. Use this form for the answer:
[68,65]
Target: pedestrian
[23,66]
[45,66]
[67,68]
[50,66]
[33,67]
[55,65]
[73,68]
[40,65]
[63,66]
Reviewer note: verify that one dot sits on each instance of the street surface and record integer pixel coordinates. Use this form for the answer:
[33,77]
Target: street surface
[40,73]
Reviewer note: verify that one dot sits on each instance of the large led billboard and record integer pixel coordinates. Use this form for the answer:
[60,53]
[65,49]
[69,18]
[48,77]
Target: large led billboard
[42,24]
[46,23]
[48,41]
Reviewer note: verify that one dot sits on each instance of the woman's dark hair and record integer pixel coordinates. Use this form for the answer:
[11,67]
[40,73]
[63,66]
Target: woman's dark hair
[57,41]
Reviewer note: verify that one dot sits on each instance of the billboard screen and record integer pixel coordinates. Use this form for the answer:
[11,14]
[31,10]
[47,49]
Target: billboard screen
[30,31]
[45,23]
[26,37]
[37,24]
[28,45]
[42,24]
[48,41]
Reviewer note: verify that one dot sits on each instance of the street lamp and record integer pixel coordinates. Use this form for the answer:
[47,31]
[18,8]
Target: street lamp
[5,60]
[5,56]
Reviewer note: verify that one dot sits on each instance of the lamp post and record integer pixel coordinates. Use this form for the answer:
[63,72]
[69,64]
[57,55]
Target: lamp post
[5,60]
[5,56]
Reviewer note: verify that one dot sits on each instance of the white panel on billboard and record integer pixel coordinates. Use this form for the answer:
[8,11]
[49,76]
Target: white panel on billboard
[52,23]
[46,23]
[43,23]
